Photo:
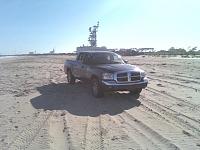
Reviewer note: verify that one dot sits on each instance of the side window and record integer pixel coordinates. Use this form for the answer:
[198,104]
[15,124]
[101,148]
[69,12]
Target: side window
[86,58]
[89,57]
[80,57]
[83,57]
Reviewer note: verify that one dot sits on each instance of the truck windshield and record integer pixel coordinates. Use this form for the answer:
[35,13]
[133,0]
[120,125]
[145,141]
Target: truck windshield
[106,58]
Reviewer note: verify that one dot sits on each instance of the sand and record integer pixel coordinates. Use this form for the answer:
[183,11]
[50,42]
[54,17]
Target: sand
[40,110]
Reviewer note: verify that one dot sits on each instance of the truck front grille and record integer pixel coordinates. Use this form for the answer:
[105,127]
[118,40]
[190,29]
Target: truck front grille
[128,77]
[135,76]
[122,77]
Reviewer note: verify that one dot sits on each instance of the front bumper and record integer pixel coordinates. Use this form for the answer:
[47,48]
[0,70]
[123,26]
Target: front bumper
[114,86]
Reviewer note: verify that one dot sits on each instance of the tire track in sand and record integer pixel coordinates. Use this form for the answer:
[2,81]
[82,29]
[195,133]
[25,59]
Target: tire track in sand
[93,137]
[26,137]
[166,95]
[170,130]
[58,132]
[186,86]
[177,118]
[116,136]
[175,78]
[146,136]
[75,130]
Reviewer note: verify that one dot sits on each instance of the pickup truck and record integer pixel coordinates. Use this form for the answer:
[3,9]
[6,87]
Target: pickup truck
[106,71]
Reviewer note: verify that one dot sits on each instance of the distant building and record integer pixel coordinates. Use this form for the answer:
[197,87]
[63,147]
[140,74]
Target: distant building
[52,52]
[134,51]
[31,53]
[89,48]
[145,49]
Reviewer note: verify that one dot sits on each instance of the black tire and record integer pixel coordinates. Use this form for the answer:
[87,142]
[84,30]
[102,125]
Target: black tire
[70,78]
[135,92]
[96,88]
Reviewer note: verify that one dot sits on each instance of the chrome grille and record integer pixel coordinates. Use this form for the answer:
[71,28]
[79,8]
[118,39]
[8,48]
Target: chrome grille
[135,76]
[122,77]
[128,76]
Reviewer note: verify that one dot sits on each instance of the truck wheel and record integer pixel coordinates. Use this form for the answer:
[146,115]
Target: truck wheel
[70,78]
[135,92]
[96,88]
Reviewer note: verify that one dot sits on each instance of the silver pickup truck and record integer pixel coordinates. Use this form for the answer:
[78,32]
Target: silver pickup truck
[106,71]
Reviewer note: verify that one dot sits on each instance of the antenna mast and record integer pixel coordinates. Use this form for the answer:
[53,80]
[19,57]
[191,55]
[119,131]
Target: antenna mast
[93,35]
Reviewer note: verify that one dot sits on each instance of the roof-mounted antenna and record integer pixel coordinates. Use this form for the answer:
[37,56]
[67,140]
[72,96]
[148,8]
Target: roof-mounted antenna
[93,35]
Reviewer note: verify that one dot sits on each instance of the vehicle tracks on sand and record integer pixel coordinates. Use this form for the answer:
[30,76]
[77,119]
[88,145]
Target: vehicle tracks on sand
[175,78]
[166,95]
[114,136]
[161,80]
[59,131]
[145,134]
[178,119]
[93,134]
[26,137]
[163,133]
[157,129]
[75,128]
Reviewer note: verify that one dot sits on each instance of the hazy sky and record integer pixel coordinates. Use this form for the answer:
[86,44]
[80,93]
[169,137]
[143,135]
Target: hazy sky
[41,25]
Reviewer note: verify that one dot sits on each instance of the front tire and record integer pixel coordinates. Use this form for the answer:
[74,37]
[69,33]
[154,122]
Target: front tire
[70,78]
[96,88]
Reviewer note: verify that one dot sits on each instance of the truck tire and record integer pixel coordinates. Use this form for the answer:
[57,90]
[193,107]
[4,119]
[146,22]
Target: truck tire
[96,88]
[70,78]
[135,92]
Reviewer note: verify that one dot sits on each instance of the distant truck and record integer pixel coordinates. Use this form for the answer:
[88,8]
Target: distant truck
[106,71]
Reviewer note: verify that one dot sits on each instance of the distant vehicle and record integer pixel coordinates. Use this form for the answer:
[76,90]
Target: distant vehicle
[106,71]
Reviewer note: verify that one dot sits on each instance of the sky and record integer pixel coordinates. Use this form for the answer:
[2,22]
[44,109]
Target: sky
[43,25]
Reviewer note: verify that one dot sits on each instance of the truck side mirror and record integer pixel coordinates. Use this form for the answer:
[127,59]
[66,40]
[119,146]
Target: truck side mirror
[126,61]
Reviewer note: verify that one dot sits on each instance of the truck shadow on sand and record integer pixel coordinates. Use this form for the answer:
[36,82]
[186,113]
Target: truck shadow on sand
[78,100]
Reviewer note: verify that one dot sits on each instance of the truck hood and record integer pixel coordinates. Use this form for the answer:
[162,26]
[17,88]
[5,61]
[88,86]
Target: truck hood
[118,67]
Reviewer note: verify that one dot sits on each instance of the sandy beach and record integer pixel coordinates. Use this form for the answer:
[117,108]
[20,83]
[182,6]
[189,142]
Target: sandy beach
[40,110]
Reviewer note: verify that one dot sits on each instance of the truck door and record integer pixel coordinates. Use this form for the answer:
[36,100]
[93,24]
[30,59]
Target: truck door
[77,68]
[85,66]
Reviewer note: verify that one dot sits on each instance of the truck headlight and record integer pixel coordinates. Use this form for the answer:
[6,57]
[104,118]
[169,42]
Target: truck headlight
[107,76]
[143,74]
